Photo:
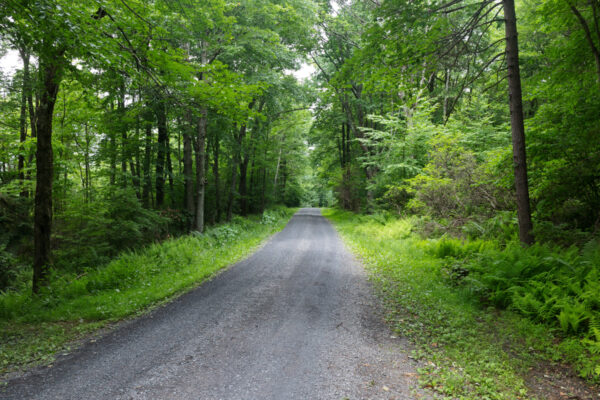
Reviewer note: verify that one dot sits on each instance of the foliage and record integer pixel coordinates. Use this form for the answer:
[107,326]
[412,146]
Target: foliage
[90,234]
[399,146]
[564,100]
[15,226]
[549,285]
[421,82]
[454,184]
[148,99]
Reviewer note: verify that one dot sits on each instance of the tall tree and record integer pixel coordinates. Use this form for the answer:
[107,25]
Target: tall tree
[517,124]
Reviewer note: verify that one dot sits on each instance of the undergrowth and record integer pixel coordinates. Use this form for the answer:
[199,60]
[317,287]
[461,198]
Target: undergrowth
[480,315]
[34,329]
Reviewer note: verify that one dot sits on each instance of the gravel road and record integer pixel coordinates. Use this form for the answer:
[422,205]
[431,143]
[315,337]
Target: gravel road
[296,320]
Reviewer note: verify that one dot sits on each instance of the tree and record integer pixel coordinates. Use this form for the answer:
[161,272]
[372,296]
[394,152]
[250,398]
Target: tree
[437,36]
[135,102]
[517,124]
[47,28]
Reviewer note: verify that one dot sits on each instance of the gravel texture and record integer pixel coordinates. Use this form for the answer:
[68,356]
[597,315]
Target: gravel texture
[296,320]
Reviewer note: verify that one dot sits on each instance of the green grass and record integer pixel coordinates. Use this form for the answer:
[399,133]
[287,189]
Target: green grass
[466,349]
[33,330]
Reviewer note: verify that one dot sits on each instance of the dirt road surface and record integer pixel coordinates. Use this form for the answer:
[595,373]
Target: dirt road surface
[296,320]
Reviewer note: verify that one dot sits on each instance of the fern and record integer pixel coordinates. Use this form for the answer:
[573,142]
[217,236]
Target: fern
[527,304]
[594,329]
[571,316]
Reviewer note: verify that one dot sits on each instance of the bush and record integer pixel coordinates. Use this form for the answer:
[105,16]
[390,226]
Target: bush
[553,289]
[455,185]
[293,195]
[8,268]
[90,234]
[224,233]
[128,224]
[16,230]
[503,227]
[547,284]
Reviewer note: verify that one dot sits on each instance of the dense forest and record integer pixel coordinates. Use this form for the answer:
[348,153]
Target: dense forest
[128,122]
[415,115]
[133,121]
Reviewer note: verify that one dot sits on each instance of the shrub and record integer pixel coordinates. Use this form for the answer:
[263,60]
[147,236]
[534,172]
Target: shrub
[90,234]
[547,284]
[224,233]
[16,230]
[8,268]
[454,184]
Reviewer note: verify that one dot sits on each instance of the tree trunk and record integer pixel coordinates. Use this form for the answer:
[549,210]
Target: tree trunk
[188,177]
[135,177]
[244,201]
[200,171]
[200,145]
[263,191]
[277,171]
[284,175]
[50,76]
[170,174]
[23,120]
[235,162]
[123,127]
[517,124]
[252,187]
[179,158]
[163,142]
[217,180]
[87,164]
[113,150]
[134,163]
[124,158]
[147,160]
[243,189]
[32,116]
[342,146]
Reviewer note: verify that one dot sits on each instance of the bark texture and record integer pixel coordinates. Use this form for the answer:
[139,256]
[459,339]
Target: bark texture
[188,175]
[217,180]
[161,153]
[23,119]
[517,125]
[146,190]
[200,171]
[50,76]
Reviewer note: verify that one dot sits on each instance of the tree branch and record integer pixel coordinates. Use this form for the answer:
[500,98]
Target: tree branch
[585,26]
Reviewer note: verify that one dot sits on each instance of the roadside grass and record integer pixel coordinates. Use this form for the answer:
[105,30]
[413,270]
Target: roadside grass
[467,350]
[34,330]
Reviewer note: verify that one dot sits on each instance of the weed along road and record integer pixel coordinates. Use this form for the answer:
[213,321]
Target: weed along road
[296,320]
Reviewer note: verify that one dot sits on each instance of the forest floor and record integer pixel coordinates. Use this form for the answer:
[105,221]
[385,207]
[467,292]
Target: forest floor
[467,351]
[296,320]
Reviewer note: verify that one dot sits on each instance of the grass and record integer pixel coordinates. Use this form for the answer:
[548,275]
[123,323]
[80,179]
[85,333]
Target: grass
[467,350]
[33,330]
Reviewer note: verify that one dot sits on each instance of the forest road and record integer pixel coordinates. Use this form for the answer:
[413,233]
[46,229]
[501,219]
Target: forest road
[296,320]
